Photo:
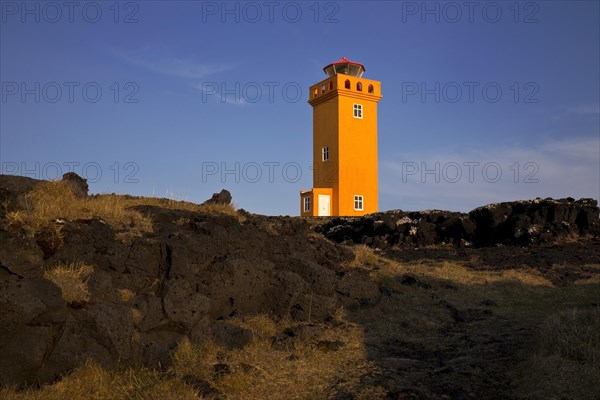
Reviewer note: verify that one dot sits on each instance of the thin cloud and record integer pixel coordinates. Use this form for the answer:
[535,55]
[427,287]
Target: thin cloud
[583,149]
[559,168]
[593,108]
[173,66]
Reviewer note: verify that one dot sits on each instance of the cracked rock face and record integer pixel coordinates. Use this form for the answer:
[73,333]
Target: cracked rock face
[183,281]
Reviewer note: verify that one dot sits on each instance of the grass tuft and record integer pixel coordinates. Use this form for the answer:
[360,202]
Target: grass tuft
[364,256]
[72,281]
[567,362]
[573,335]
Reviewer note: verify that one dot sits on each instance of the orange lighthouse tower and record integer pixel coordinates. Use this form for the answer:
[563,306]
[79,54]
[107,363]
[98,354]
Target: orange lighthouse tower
[344,143]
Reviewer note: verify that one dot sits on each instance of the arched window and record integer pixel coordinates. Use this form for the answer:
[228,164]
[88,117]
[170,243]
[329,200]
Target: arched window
[359,86]
[323,88]
[371,90]
[330,85]
[347,84]
[315,92]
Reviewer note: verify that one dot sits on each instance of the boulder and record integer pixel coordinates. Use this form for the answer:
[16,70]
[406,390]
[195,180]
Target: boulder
[12,192]
[78,184]
[32,319]
[223,197]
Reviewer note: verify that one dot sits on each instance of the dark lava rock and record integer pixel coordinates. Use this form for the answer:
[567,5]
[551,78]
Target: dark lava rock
[12,191]
[187,280]
[203,387]
[511,223]
[223,197]
[412,281]
[32,321]
[77,183]
[220,370]
[247,368]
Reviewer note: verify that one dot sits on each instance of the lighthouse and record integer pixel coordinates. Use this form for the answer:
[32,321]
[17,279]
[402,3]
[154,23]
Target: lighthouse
[344,143]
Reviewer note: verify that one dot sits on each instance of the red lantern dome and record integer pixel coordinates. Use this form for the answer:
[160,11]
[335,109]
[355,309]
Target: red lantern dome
[346,67]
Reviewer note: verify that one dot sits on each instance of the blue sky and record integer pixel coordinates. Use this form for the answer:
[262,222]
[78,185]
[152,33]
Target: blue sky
[482,101]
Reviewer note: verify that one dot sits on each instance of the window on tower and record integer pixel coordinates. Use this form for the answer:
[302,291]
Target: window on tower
[371,90]
[359,86]
[347,84]
[358,111]
[306,204]
[325,153]
[358,203]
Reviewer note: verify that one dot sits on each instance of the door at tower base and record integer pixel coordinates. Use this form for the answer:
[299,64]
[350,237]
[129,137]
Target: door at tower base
[324,205]
[316,202]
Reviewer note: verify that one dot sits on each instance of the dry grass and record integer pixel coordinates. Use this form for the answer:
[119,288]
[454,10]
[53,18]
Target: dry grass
[573,335]
[92,381]
[53,201]
[364,256]
[523,293]
[301,370]
[72,281]
[298,371]
[229,209]
[459,274]
[567,362]
[594,277]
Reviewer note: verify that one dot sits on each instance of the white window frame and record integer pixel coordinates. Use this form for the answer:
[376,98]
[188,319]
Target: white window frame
[357,111]
[360,202]
[307,204]
[325,153]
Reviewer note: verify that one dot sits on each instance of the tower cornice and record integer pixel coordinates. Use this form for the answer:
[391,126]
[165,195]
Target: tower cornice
[344,92]
[345,85]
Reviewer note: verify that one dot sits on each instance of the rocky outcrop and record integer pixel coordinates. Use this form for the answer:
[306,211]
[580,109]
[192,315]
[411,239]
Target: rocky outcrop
[147,293]
[510,223]
[223,197]
[78,184]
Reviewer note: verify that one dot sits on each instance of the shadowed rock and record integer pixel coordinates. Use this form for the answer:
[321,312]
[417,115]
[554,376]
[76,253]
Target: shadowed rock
[510,223]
